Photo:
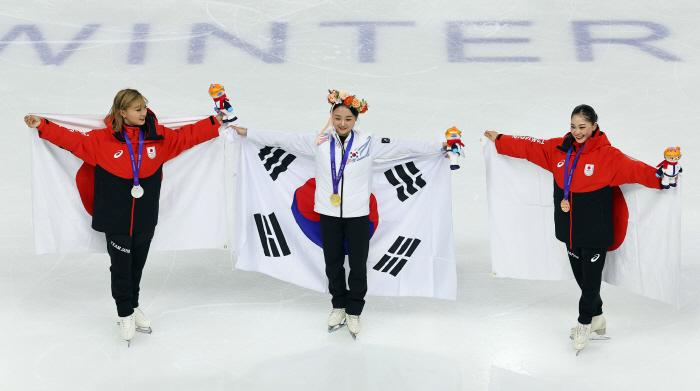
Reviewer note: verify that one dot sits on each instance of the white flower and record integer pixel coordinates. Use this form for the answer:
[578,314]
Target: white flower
[343,95]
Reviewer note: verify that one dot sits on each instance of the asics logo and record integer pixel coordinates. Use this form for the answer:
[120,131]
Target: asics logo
[561,163]
[119,153]
[572,254]
[595,257]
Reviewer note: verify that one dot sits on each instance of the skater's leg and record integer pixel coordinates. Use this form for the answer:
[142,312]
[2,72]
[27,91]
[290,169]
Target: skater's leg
[332,235]
[591,304]
[139,253]
[119,249]
[357,234]
[576,267]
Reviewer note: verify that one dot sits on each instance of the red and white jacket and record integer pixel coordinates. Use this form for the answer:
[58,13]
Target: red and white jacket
[600,167]
[114,210]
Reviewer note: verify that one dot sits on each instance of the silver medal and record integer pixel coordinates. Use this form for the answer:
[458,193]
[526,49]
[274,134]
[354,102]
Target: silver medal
[137,191]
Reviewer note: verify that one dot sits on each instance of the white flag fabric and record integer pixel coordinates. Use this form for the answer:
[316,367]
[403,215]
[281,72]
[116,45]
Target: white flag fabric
[276,232]
[192,211]
[647,253]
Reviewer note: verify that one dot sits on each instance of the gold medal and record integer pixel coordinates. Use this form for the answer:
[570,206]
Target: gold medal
[565,206]
[335,200]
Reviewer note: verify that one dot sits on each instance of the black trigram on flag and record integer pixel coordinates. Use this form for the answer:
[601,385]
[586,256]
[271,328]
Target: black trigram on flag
[407,181]
[270,156]
[401,249]
[271,236]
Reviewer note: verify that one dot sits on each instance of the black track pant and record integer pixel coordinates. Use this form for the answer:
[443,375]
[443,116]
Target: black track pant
[587,265]
[128,255]
[355,231]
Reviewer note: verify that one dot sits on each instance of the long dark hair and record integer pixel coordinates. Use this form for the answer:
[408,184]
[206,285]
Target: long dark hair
[587,112]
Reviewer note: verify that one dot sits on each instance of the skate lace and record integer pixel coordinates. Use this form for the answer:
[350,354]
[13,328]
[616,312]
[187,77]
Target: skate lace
[582,332]
[338,312]
[126,323]
[353,319]
[139,314]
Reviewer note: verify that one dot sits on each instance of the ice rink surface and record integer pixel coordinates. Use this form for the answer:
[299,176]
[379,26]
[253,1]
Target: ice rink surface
[517,67]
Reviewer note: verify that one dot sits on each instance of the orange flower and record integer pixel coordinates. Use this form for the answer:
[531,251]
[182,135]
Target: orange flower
[348,100]
[363,109]
[356,103]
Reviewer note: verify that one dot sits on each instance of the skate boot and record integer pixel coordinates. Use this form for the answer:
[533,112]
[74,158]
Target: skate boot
[143,324]
[127,326]
[336,320]
[598,326]
[583,332]
[354,325]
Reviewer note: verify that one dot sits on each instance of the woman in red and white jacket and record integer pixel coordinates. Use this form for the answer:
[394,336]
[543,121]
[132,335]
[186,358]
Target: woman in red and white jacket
[127,186]
[583,196]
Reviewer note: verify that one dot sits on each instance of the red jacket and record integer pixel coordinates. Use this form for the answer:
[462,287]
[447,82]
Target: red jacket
[600,167]
[115,211]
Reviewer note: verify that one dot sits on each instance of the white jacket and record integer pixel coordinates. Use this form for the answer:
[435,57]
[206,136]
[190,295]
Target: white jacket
[355,186]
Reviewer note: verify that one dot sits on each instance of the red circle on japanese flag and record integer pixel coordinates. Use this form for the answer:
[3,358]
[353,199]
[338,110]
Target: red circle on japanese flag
[621,216]
[85,181]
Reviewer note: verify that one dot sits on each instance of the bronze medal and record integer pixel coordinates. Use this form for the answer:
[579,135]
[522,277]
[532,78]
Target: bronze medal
[565,206]
[335,200]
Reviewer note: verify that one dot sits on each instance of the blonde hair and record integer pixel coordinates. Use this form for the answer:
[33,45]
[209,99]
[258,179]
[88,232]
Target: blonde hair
[123,101]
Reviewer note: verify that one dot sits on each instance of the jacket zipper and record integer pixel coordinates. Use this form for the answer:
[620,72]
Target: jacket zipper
[571,211]
[133,204]
[342,179]
[133,201]
[571,221]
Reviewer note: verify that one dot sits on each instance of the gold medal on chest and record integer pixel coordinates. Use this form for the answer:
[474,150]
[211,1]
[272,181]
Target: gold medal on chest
[335,200]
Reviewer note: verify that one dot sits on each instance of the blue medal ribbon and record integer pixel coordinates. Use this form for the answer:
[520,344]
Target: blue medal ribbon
[336,177]
[136,167]
[569,173]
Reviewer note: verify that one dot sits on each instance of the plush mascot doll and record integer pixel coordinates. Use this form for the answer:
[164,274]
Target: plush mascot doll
[217,92]
[453,136]
[669,169]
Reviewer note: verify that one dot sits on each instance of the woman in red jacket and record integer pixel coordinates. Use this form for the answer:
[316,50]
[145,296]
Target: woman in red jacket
[583,194]
[127,186]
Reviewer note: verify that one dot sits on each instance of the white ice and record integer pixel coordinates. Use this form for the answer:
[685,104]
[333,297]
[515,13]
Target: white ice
[217,328]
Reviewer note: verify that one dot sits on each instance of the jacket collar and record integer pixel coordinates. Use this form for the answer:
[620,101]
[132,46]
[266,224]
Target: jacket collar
[150,129]
[598,139]
[335,134]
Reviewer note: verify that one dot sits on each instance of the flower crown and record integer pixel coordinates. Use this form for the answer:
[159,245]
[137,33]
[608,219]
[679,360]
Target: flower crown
[335,97]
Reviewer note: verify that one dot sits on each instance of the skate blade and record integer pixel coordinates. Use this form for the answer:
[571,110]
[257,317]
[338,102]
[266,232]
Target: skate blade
[595,337]
[354,336]
[145,330]
[577,352]
[335,328]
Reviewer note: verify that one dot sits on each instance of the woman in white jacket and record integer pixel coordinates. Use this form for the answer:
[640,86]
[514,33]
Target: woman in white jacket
[344,158]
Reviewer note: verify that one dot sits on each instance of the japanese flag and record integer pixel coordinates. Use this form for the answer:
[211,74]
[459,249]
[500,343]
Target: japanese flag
[645,258]
[192,200]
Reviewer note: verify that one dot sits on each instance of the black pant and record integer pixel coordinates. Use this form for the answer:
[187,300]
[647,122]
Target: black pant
[587,265]
[128,255]
[355,231]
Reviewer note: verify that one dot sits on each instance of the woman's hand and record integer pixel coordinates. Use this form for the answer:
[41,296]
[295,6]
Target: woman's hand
[239,130]
[32,121]
[491,135]
[446,146]
[220,118]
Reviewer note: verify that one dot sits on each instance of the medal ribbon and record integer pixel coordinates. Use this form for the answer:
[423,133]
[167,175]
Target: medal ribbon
[569,174]
[135,168]
[336,177]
